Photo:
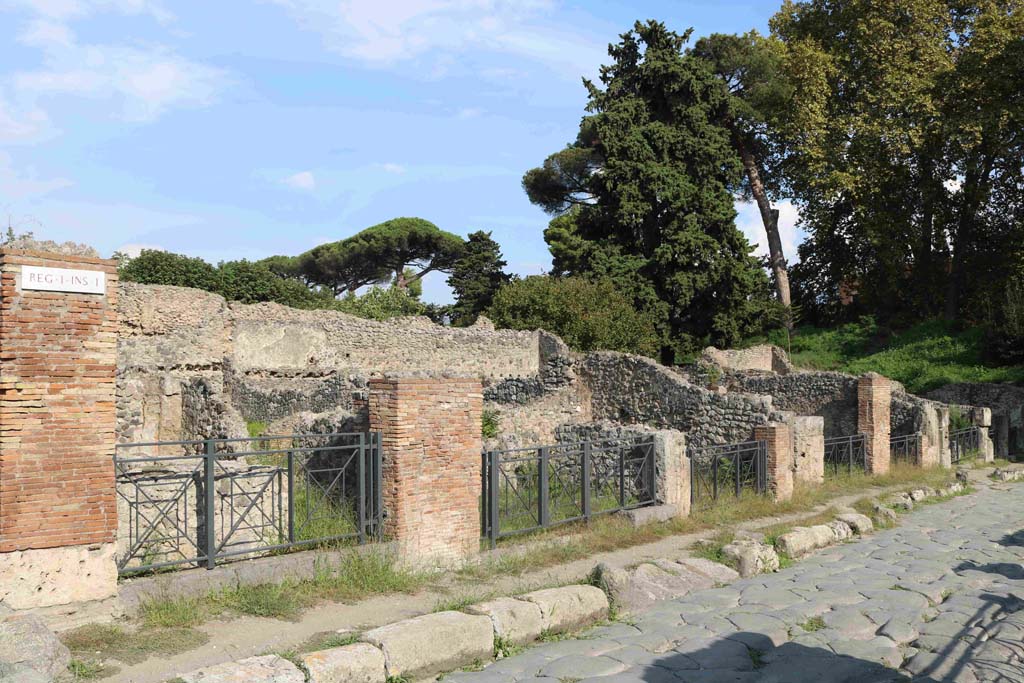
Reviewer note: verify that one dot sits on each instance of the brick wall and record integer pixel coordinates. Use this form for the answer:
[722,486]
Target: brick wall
[874,402]
[430,438]
[779,440]
[57,416]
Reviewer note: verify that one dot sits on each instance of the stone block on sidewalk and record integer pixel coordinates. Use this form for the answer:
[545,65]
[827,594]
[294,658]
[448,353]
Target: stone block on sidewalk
[515,621]
[569,608]
[433,643]
[27,644]
[355,663]
[751,557]
[651,514]
[859,523]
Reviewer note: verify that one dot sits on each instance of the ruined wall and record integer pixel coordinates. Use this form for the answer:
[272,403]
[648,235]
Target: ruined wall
[267,363]
[831,395]
[637,390]
[1006,402]
[761,358]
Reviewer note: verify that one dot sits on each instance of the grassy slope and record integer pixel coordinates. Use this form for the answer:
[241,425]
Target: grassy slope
[923,357]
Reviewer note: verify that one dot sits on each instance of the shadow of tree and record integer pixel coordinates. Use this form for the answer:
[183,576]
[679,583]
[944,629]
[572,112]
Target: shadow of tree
[1012,540]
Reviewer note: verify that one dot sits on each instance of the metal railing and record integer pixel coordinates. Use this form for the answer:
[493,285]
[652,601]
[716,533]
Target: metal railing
[729,469]
[526,489]
[905,449]
[964,444]
[845,454]
[193,503]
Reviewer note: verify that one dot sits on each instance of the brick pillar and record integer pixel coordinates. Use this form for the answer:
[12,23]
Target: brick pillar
[58,355]
[874,397]
[809,448]
[674,466]
[430,431]
[780,458]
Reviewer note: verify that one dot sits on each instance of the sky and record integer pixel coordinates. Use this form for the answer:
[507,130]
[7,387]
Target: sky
[230,130]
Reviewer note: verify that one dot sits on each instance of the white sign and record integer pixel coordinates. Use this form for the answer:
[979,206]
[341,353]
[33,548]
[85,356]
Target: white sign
[63,280]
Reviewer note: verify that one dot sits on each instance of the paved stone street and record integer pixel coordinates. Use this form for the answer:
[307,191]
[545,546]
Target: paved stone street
[941,598]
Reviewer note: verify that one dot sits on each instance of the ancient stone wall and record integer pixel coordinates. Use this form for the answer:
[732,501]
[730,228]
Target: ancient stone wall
[637,390]
[1006,402]
[762,358]
[831,395]
[266,363]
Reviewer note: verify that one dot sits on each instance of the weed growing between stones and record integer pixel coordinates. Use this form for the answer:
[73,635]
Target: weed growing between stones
[87,670]
[504,648]
[397,679]
[326,640]
[168,612]
[813,624]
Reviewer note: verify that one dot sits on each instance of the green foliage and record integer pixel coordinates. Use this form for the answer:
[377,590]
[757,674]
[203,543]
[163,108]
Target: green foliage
[256,428]
[156,267]
[813,624]
[476,276]
[490,423]
[251,283]
[1004,338]
[381,303]
[273,600]
[923,357]
[380,253]
[586,315]
[648,181]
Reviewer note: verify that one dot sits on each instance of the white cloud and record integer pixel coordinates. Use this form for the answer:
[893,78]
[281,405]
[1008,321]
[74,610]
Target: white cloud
[470,112]
[143,81]
[397,169]
[304,180]
[388,33]
[749,221]
[20,185]
[133,249]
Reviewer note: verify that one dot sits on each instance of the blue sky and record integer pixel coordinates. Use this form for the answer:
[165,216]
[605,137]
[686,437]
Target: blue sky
[229,130]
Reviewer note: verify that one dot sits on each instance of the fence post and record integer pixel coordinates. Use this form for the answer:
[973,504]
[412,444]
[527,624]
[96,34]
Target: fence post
[874,399]
[493,497]
[291,496]
[361,473]
[587,452]
[210,472]
[544,488]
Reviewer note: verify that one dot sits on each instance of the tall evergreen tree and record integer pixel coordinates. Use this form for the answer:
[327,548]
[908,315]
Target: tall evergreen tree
[644,194]
[476,276]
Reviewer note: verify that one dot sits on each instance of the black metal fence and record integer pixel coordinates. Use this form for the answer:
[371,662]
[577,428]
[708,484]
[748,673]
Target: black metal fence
[727,470]
[964,444]
[845,455]
[905,449]
[193,503]
[525,489]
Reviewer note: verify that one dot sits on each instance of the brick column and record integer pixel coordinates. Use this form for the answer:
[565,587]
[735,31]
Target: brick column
[780,458]
[58,515]
[874,396]
[431,448]
[670,447]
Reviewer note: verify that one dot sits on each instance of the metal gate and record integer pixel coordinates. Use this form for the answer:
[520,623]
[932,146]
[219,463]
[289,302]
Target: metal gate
[526,489]
[730,469]
[845,455]
[905,449]
[964,444]
[193,503]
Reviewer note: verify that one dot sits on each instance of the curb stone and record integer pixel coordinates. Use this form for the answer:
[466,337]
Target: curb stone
[264,669]
[569,608]
[355,663]
[433,643]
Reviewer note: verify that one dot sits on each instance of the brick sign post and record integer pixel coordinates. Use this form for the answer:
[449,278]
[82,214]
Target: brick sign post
[58,346]
[431,445]
[874,399]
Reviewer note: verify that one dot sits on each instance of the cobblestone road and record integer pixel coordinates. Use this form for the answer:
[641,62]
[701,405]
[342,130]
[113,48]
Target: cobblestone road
[941,598]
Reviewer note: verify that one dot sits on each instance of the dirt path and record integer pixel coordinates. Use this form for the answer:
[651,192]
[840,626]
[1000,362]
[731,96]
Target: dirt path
[247,636]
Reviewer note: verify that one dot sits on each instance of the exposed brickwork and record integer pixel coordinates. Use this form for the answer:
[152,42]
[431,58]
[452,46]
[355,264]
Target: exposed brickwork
[57,416]
[874,400]
[780,458]
[431,449]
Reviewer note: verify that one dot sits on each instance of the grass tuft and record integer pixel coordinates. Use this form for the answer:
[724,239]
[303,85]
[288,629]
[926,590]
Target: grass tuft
[813,624]
[130,647]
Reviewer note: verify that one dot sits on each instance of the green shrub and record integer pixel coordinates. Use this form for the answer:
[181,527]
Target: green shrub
[587,315]
[381,303]
[1004,338]
[489,424]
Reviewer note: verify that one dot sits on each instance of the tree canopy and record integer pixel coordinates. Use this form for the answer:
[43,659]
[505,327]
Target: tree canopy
[644,194]
[380,253]
[475,277]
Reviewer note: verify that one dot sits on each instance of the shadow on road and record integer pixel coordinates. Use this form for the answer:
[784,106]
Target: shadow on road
[748,657]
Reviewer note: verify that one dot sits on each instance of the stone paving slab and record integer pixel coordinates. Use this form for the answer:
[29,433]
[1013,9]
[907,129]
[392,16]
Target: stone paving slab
[939,598]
